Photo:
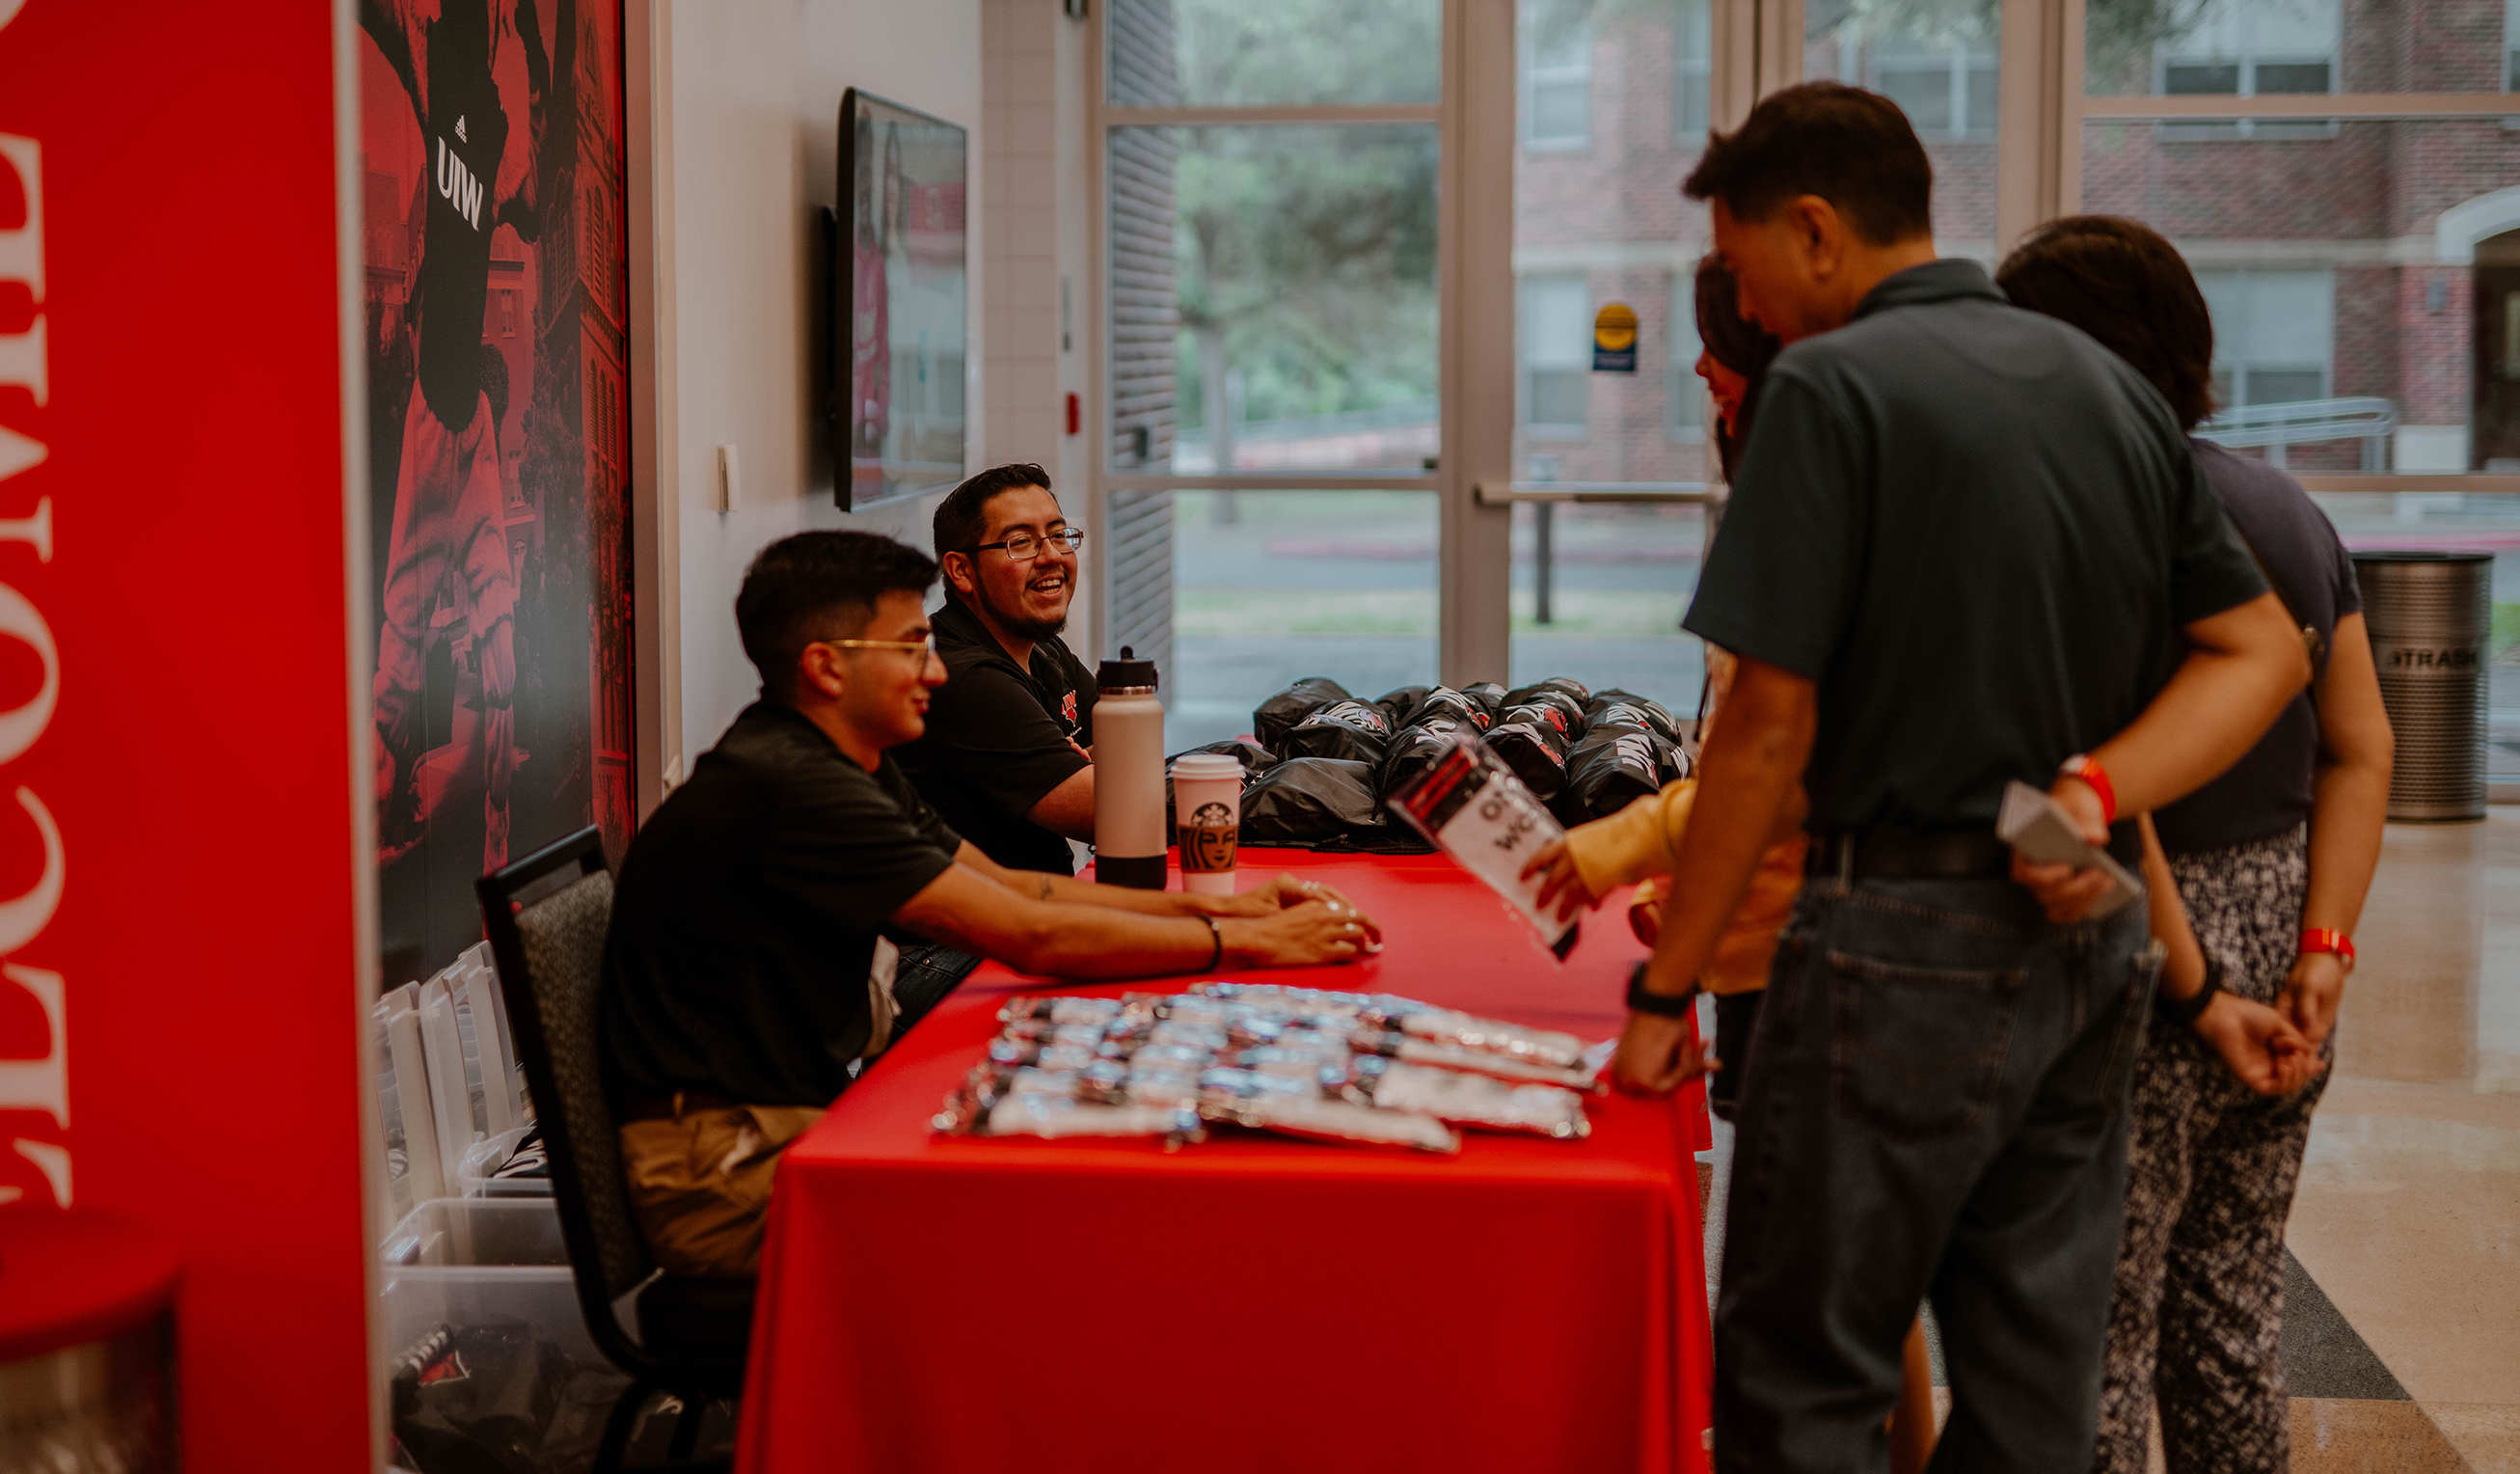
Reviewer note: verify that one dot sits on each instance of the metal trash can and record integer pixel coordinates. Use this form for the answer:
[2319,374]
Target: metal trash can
[2431,619]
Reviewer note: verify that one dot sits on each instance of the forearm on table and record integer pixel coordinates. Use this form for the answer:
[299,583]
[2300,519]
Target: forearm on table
[969,909]
[1073,891]
[1069,890]
[2241,667]
[1749,781]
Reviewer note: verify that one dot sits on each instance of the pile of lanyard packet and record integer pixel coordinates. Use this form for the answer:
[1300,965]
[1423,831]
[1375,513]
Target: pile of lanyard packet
[1364,1068]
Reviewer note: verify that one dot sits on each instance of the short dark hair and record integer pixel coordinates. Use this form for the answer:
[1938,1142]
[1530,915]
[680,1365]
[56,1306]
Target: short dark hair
[1737,344]
[965,512]
[818,585]
[2125,284]
[1852,148]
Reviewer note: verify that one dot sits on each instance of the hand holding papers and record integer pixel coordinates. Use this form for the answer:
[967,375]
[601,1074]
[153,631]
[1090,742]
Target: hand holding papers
[2041,831]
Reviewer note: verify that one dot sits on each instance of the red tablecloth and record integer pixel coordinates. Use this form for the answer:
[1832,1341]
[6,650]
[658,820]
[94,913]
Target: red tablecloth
[1256,1303]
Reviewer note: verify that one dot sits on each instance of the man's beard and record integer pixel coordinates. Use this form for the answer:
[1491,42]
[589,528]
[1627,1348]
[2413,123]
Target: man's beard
[1016,624]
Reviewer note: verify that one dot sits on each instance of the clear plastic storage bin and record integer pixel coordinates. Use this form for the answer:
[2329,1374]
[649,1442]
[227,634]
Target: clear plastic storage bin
[473,1261]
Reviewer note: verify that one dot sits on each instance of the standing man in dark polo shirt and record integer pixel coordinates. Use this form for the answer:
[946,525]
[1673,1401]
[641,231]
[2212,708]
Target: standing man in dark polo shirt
[1967,546]
[1007,758]
[750,972]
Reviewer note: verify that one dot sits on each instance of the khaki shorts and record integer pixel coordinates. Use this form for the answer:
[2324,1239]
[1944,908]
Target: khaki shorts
[699,1183]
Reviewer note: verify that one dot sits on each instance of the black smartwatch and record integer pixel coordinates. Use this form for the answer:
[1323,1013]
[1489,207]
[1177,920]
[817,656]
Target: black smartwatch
[1667,1005]
[2182,1013]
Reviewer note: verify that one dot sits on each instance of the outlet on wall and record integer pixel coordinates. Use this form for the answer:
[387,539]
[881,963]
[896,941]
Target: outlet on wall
[723,495]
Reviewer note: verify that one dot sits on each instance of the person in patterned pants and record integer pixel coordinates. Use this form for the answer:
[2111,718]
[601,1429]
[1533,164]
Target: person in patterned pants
[2210,1172]
[2270,863]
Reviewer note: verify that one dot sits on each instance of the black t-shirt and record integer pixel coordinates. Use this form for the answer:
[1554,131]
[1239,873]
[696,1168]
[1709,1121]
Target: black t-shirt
[747,914]
[999,740]
[2267,792]
[466,136]
[1979,531]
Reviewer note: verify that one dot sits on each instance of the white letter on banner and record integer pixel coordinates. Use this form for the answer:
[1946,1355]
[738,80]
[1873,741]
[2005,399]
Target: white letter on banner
[41,1084]
[23,358]
[55,1162]
[9,11]
[35,530]
[20,452]
[21,920]
[19,729]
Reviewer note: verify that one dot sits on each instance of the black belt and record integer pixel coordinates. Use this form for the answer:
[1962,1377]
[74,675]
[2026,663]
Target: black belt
[1886,854]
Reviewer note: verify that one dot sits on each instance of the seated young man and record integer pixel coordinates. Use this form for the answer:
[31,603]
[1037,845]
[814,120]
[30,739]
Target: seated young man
[750,970]
[1006,756]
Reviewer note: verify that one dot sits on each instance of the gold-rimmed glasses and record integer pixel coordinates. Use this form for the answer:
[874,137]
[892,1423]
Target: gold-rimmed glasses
[1024,547]
[925,647]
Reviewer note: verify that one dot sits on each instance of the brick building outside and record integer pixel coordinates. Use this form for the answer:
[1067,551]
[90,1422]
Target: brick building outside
[2344,261]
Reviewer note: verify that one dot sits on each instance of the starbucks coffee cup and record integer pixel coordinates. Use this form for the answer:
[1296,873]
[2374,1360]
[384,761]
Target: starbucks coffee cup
[1207,819]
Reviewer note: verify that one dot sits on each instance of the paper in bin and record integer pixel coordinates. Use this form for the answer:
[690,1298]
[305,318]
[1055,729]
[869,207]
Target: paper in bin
[1471,806]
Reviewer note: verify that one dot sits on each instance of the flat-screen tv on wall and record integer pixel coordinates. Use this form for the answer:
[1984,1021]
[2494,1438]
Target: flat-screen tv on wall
[899,302]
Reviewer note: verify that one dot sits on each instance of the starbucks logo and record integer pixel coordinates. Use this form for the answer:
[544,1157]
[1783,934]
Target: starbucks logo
[1207,838]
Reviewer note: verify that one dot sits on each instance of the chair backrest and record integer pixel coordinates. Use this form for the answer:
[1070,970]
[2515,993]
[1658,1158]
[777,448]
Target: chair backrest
[547,915]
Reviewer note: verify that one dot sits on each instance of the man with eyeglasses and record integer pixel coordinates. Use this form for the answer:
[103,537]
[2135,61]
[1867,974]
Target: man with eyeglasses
[1008,756]
[764,921]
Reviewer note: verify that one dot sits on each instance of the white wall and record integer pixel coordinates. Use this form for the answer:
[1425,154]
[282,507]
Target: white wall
[754,88]
[1033,118]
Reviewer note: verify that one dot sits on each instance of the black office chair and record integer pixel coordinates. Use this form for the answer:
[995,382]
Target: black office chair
[547,915]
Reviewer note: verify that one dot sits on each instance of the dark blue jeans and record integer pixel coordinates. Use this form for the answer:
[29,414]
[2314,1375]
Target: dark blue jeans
[1935,1106]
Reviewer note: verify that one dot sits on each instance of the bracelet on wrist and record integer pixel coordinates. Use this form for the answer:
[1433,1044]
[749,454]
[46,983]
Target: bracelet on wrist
[2096,778]
[1669,1006]
[1216,942]
[2324,939]
[2182,1013]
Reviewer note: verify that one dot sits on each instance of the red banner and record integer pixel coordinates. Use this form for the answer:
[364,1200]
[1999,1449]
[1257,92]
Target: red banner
[178,1001]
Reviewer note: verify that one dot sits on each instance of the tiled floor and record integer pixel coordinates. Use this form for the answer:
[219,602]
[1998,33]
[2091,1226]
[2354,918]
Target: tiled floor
[2408,1214]
[2402,1330]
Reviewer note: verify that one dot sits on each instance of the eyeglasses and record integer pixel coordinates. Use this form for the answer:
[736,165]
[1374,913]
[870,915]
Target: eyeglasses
[923,647]
[1024,547]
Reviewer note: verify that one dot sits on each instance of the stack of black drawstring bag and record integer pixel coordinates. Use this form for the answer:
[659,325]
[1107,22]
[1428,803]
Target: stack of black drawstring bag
[1320,760]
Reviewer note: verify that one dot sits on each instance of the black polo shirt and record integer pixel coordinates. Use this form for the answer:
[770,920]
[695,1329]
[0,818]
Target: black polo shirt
[1979,531]
[999,740]
[746,913]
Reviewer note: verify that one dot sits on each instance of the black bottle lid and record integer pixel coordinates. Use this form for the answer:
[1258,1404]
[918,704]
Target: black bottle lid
[1126,673]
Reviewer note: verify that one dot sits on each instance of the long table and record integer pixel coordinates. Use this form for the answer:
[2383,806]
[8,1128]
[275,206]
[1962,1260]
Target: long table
[1249,1303]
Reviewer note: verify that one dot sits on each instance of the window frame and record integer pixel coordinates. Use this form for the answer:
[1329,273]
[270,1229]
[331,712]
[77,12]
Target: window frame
[1754,47]
[1529,79]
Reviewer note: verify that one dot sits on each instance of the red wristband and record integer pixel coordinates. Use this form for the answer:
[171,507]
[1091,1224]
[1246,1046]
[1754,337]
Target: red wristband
[2080,765]
[2322,939]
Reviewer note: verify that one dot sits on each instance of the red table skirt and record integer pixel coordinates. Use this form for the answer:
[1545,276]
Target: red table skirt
[931,1304]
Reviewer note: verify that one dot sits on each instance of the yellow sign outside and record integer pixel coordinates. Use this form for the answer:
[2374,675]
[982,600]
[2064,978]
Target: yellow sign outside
[1614,327]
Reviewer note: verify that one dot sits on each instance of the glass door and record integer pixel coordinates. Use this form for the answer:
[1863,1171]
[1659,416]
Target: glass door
[1272,371]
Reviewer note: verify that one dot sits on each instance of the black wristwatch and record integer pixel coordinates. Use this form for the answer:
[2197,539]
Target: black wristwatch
[2182,1013]
[1669,1006]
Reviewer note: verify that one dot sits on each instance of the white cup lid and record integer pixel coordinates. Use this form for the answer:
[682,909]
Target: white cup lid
[1207,765]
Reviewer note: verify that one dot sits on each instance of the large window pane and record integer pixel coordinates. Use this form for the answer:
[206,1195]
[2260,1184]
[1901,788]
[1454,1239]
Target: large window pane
[1239,52]
[1291,584]
[1273,298]
[2363,284]
[1937,60]
[1595,225]
[1616,581]
[2272,48]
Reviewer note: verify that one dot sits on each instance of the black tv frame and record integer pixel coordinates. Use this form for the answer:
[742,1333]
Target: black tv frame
[841,240]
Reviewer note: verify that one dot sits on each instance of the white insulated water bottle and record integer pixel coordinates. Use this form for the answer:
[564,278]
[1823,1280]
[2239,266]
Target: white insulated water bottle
[1129,838]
